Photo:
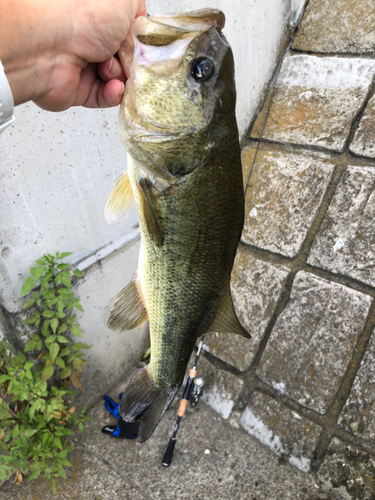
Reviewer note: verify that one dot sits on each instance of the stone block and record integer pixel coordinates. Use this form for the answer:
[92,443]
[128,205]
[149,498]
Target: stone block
[282,430]
[256,287]
[284,193]
[313,339]
[221,389]
[316,100]
[347,473]
[358,414]
[345,241]
[363,142]
[337,26]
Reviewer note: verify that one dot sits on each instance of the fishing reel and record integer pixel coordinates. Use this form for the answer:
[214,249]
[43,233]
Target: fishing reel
[196,391]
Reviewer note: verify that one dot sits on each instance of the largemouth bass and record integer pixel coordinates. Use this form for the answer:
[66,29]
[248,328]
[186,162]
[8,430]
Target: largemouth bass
[178,123]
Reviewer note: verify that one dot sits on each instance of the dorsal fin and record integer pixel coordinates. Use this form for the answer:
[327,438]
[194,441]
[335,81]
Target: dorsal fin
[128,310]
[226,320]
[120,200]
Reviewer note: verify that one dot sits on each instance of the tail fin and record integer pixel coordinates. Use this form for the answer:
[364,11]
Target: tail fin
[145,401]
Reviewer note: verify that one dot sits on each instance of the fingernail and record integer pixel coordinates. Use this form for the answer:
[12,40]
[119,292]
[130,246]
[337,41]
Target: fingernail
[112,68]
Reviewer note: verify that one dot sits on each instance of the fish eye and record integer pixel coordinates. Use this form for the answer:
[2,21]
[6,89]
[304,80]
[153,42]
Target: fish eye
[202,69]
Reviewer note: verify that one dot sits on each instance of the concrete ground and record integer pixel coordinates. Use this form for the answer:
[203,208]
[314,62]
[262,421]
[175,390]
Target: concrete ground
[213,459]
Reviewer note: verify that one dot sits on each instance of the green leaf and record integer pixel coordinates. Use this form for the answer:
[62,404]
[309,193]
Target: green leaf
[45,438]
[62,329]
[30,345]
[54,349]
[30,321]
[4,378]
[29,365]
[54,324]
[34,475]
[15,431]
[53,486]
[27,286]
[47,372]
[62,339]
[66,281]
[66,372]
[4,410]
[45,327]
[28,303]
[71,319]
[58,279]
[76,330]
[80,426]
[49,340]
[57,443]
[60,362]
[65,351]
[37,272]
[60,306]
[21,356]
[78,306]
[47,313]
[30,432]
[76,347]
[65,254]
[63,266]
[77,273]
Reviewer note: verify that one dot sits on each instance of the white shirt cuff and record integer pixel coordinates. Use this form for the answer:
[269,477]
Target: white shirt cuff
[6,101]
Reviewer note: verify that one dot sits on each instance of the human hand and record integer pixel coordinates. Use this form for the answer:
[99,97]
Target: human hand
[58,53]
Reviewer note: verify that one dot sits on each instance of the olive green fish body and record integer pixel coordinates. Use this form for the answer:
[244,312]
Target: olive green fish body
[183,280]
[178,124]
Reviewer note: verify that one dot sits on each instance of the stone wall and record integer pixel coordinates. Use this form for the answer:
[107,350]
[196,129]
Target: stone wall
[304,276]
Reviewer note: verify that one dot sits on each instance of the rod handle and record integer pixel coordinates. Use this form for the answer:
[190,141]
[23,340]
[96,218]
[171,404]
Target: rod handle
[169,453]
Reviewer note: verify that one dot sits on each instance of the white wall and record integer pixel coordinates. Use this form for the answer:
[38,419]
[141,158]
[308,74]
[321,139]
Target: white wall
[56,172]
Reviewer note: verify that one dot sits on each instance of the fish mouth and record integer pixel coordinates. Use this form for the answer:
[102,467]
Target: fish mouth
[157,31]
[160,41]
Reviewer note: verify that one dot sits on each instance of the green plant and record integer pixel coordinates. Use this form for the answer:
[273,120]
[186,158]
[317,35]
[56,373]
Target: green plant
[35,414]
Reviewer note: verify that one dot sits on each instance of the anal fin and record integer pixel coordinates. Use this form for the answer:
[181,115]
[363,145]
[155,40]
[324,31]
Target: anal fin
[226,320]
[128,310]
[120,200]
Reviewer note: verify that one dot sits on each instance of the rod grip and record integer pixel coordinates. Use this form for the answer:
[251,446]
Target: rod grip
[169,453]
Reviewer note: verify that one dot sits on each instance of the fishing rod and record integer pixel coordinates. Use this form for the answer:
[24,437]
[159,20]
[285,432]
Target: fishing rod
[183,404]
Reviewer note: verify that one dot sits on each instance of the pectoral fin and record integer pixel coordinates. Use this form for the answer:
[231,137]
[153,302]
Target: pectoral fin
[149,213]
[120,200]
[128,310]
[226,320]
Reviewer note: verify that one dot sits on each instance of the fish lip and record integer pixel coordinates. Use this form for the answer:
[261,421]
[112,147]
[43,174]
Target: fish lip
[170,27]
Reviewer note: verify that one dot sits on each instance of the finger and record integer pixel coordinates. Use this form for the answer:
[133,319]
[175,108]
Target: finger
[142,12]
[104,95]
[111,69]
